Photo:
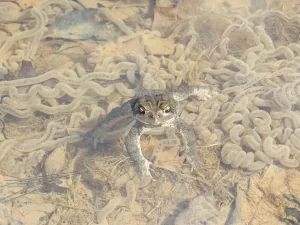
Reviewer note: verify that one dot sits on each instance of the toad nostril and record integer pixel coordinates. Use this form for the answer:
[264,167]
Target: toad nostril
[151,116]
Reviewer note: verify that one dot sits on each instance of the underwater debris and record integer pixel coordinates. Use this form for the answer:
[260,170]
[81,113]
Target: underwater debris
[252,58]
[209,209]
[81,25]
[23,187]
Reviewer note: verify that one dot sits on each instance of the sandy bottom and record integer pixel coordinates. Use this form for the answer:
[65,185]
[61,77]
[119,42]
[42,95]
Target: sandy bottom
[45,179]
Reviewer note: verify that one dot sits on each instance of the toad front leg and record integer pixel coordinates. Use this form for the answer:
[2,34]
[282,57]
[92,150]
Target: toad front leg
[133,147]
[189,141]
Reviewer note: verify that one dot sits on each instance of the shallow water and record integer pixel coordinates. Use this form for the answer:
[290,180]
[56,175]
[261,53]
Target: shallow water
[64,65]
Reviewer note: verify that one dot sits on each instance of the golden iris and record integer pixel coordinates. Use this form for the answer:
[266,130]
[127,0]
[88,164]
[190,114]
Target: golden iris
[141,110]
[167,109]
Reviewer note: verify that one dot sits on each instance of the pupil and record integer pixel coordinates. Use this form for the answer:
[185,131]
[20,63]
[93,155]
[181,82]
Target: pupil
[142,111]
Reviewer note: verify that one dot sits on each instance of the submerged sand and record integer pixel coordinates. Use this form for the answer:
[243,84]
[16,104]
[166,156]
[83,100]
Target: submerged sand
[64,65]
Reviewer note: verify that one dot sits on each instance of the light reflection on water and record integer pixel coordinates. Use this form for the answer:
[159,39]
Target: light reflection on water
[64,65]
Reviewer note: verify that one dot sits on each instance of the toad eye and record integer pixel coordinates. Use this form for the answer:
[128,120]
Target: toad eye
[167,109]
[141,110]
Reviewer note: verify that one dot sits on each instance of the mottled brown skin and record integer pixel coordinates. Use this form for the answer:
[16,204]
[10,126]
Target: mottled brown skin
[148,110]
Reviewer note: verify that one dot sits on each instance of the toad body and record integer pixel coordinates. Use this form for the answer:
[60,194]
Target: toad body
[150,109]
